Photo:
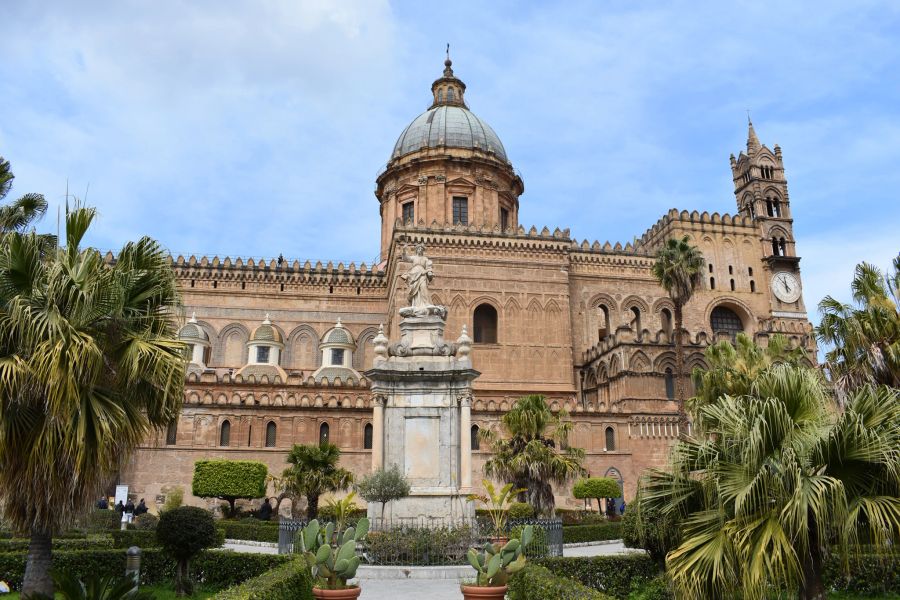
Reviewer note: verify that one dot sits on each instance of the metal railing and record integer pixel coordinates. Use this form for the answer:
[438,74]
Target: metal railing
[434,541]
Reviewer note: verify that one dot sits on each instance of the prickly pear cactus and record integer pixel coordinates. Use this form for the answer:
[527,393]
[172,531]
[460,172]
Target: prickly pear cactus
[495,563]
[331,555]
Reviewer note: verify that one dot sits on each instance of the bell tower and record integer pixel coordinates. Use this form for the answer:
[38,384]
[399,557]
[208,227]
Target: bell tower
[760,189]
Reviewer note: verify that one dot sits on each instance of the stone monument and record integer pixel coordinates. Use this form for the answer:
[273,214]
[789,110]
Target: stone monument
[422,391]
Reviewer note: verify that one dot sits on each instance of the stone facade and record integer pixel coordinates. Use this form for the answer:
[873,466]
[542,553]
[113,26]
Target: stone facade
[584,324]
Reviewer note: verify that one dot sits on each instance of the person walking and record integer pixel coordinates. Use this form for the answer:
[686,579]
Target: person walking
[141,508]
[120,508]
[265,511]
[102,503]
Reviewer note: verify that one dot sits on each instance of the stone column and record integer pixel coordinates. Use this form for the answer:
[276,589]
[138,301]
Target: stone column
[377,432]
[465,443]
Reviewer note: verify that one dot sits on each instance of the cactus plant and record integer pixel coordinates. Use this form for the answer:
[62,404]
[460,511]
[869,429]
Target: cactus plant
[496,562]
[330,554]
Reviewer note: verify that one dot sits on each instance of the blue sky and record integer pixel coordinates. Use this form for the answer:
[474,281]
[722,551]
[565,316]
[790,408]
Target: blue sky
[257,128]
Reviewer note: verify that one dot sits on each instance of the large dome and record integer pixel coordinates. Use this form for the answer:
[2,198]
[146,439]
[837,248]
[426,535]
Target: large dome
[448,126]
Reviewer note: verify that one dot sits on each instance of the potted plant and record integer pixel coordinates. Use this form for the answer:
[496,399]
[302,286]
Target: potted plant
[494,564]
[331,556]
[497,505]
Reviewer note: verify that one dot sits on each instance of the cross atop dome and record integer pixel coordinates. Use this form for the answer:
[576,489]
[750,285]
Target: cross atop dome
[449,90]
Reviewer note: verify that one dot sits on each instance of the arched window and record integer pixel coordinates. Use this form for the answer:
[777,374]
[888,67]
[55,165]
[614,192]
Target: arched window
[225,434]
[603,319]
[440,95]
[475,441]
[323,433]
[271,434]
[485,324]
[725,319]
[665,317]
[732,285]
[776,208]
[610,439]
[172,433]
[670,383]
[367,437]
[712,283]
[636,320]
[450,94]
[752,286]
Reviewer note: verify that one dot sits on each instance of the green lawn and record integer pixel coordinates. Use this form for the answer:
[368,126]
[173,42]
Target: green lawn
[162,592]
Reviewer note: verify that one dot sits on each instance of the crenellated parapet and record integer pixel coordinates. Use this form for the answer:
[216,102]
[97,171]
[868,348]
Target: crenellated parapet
[694,220]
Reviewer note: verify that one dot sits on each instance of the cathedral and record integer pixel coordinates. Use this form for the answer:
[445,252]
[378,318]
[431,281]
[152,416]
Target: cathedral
[279,349]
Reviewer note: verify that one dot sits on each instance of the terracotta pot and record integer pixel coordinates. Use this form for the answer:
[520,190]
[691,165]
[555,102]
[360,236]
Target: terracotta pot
[500,540]
[481,592]
[345,594]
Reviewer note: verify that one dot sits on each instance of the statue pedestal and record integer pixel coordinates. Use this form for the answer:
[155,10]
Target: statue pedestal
[422,387]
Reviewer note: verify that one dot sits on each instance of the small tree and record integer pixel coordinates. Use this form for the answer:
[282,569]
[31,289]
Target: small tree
[314,471]
[229,480]
[596,488]
[183,532]
[384,485]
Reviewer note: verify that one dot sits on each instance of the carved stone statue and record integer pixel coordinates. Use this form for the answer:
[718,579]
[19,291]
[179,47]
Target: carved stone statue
[417,278]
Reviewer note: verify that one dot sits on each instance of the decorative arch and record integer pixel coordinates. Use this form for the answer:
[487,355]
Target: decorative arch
[639,362]
[740,308]
[485,324]
[635,301]
[664,361]
[230,349]
[365,351]
[302,348]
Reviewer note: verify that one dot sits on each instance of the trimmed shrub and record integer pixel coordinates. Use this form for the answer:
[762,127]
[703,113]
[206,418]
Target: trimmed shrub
[134,537]
[592,533]
[145,522]
[290,581]
[520,510]
[535,581]
[216,568]
[229,480]
[611,575]
[249,529]
[99,520]
[579,516]
[653,589]
[183,532]
[595,488]
[92,543]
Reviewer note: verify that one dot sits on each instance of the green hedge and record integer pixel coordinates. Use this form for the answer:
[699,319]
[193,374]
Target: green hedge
[290,581]
[609,574]
[92,543]
[217,568]
[579,516]
[592,533]
[134,537]
[257,531]
[535,581]
[870,574]
[420,546]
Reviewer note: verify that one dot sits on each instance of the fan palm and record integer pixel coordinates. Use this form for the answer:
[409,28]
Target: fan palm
[678,268]
[89,365]
[734,367]
[314,472]
[19,214]
[528,455]
[773,480]
[864,339]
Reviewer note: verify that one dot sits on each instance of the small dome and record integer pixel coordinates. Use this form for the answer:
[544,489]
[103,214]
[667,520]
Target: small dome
[448,126]
[266,333]
[337,335]
[191,332]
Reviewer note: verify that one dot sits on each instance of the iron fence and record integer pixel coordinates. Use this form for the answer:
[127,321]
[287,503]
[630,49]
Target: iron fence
[434,541]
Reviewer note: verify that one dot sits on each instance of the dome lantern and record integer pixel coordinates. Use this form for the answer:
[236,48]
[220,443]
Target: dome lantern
[448,90]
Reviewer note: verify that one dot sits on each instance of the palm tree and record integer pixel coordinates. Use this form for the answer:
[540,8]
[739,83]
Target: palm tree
[678,268]
[528,455]
[773,480]
[89,365]
[732,368]
[20,213]
[314,472]
[864,339]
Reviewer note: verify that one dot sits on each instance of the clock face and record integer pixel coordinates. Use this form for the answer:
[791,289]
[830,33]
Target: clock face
[786,287]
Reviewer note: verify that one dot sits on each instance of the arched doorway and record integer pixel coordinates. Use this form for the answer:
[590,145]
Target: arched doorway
[615,474]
